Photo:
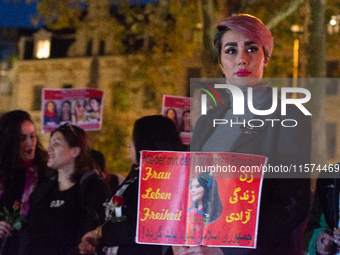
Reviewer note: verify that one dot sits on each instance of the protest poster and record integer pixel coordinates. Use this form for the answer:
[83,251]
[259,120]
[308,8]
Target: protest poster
[80,107]
[199,198]
[178,110]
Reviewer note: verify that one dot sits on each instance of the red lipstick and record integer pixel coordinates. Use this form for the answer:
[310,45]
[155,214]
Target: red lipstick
[242,72]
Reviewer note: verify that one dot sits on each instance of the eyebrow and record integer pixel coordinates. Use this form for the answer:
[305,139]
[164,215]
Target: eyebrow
[55,139]
[247,43]
[32,133]
[230,44]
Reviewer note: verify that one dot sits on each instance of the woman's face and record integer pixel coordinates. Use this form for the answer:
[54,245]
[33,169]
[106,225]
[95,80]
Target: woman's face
[94,105]
[242,60]
[186,117]
[171,114]
[132,152]
[80,109]
[66,108]
[28,141]
[60,154]
[50,107]
[197,191]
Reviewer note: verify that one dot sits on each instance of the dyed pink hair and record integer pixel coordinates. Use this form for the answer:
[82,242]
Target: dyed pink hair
[248,26]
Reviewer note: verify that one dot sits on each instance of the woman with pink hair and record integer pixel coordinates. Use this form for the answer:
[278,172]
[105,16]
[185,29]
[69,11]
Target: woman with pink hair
[244,45]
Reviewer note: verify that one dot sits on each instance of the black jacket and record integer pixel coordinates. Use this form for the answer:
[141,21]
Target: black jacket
[326,202]
[284,201]
[91,193]
[123,234]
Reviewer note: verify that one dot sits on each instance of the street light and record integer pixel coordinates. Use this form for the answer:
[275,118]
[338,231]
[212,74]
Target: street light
[333,25]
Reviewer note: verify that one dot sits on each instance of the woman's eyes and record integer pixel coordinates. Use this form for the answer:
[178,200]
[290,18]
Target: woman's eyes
[24,137]
[230,51]
[252,49]
[54,144]
[235,51]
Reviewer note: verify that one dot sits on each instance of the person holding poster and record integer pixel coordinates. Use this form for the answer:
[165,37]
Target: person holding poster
[150,133]
[244,45]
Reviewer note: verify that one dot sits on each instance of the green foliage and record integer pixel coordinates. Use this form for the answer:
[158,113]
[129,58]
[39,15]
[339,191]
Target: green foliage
[120,97]
[112,141]
[59,14]
[166,33]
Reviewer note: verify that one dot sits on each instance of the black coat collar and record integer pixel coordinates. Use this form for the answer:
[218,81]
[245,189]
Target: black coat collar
[204,126]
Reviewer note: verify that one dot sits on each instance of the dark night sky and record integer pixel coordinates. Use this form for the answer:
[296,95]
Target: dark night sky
[16,13]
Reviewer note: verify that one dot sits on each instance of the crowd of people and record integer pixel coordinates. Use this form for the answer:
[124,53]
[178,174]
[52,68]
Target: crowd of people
[61,197]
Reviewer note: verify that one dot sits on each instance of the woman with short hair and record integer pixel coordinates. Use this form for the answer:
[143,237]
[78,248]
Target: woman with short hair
[244,45]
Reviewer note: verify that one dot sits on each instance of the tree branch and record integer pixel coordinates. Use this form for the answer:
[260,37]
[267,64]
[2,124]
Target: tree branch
[284,14]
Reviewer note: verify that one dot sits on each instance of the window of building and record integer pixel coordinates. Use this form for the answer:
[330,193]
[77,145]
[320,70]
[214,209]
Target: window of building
[67,86]
[89,48]
[101,48]
[332,86]
[42,42]
[43,49]
[28,49]
[331,139]
[60,46]
[332,69]
[332,72]
[37,93]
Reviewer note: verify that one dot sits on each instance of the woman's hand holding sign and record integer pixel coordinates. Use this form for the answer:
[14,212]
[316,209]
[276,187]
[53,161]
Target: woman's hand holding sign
[196,250]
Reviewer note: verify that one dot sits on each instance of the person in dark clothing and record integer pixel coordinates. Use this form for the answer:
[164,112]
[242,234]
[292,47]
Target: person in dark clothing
[68,205]
[323,229]
[150,133]
[244,45]
[22,164]
[99,163]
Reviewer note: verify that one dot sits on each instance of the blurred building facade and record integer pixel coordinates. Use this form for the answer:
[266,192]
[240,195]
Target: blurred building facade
[78,59]
[85,58]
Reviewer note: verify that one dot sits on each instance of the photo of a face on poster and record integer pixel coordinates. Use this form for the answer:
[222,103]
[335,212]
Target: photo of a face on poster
[178,110]
[80,107]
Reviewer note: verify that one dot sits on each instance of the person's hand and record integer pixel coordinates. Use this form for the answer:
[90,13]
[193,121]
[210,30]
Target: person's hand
[90,241]
[196,250]
[5,229]
[324,243]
